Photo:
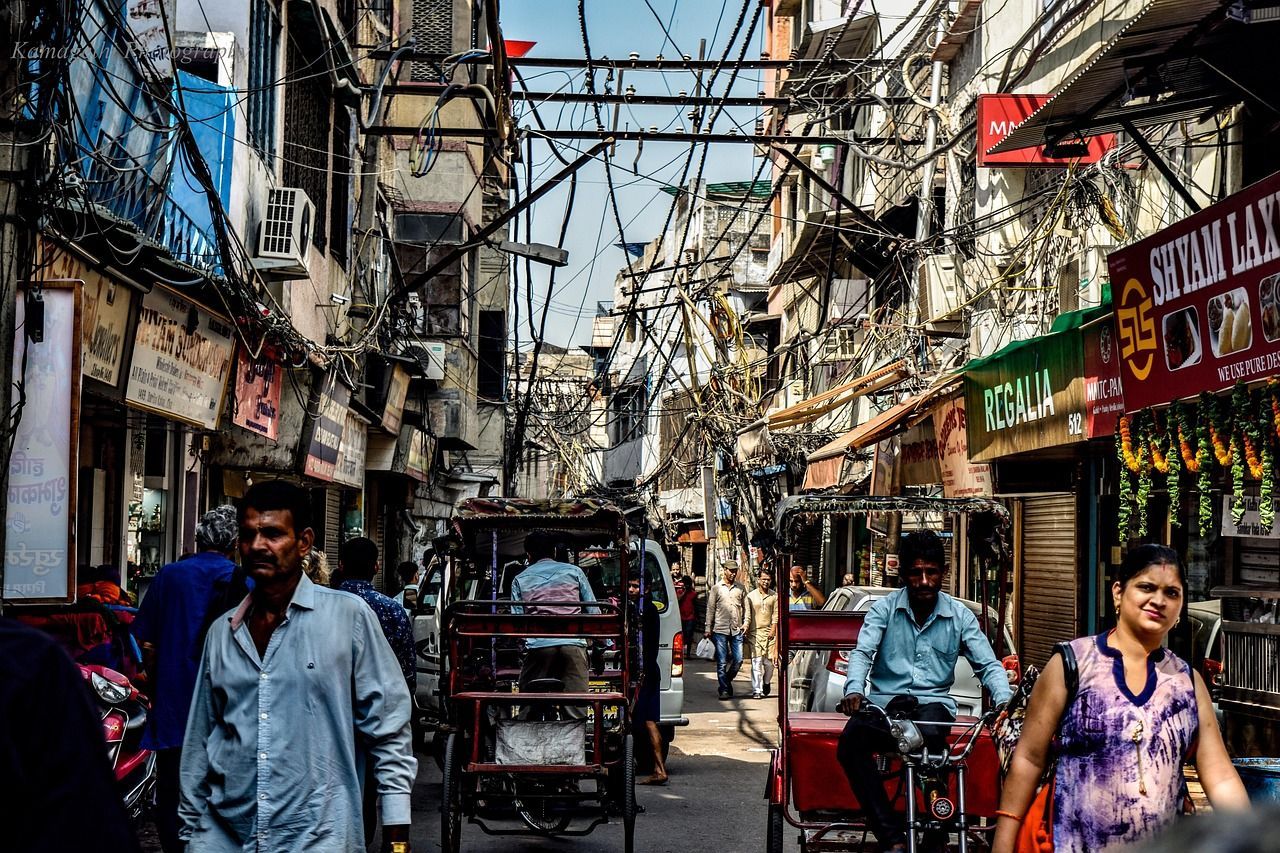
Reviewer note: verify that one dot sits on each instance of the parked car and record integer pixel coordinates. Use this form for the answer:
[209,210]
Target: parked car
[602,571]
[817,677]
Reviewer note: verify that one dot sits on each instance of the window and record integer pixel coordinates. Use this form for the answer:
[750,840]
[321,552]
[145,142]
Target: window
[432,29]
[629,413]
[343,184]
[306,136]
[264,57]
[491,377]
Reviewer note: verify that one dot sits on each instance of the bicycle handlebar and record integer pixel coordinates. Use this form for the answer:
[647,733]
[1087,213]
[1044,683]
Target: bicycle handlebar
[910,741]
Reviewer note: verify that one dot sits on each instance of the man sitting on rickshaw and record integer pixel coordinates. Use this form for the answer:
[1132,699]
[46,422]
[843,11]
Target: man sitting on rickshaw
[548,579]
[908,645]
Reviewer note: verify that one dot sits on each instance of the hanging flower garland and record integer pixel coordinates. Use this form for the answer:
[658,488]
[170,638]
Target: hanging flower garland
[1204,479]
[1173,480]
[1272,395]
[1166,458]
[1193,454]
[1127,454]
[1266,506]
[1126,484]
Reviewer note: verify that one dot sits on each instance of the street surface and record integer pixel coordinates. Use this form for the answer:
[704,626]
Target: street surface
[713,802]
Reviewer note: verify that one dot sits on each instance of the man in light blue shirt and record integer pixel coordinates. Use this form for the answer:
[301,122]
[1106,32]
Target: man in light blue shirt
[563,585]
[908,646]
[288,683]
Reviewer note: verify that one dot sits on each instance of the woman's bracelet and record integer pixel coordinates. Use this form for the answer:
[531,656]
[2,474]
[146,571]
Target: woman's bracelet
[1002,813]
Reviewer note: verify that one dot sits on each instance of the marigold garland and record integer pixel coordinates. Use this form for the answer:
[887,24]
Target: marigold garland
[1156,442]
[1125,506]
[1237,483]
[1173,483]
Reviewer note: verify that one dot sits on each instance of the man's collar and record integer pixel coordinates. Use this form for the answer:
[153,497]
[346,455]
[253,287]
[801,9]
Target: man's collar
[904,603]
[304,596]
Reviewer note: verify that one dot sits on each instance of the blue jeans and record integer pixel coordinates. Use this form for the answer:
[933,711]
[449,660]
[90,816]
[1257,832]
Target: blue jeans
[728,659]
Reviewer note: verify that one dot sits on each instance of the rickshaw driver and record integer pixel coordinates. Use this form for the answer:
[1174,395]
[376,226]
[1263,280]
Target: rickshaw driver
[548,579]
[908,644]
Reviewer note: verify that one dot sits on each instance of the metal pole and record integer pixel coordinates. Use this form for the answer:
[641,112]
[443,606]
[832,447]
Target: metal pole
[924,217]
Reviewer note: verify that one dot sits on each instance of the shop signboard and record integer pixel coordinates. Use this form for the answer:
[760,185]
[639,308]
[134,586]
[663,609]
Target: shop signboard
[349,470]
[326,419]
[104,309]
[255,404]
[397,392]
[999,114]
[182,357]
[1030,397]
[39,556]
[1251,523]
[1103,391]
[961,477]
[919,455]
[1198,303]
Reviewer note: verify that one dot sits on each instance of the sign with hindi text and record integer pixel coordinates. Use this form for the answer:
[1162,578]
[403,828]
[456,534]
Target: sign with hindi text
[961,477]
[40,553]
[255,404]
[326,419]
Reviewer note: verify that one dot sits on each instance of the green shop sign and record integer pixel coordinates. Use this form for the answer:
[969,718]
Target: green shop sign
[1027,396]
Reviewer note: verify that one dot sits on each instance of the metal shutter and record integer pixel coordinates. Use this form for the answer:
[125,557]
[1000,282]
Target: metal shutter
[1048,606]
[332,525]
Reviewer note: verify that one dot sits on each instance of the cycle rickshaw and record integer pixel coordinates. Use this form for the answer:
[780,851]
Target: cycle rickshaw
[523,756]
[806,786]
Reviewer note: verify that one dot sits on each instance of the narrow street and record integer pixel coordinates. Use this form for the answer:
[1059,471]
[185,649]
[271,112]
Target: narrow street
[714,800]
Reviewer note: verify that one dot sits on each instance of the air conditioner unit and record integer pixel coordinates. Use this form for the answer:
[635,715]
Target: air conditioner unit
[942,291]
[1093,275]
[285,232]
[430,355]
[842,343]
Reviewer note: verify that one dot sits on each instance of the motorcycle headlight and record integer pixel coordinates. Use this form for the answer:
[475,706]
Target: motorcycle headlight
[108,691]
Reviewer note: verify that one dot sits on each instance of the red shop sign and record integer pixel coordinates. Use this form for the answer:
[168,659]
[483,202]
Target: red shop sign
[998,115]
[1198,304]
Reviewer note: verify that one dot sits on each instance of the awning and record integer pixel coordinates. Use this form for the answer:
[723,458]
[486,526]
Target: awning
[813,408]
[1161,60]
[820,243]
[822,473]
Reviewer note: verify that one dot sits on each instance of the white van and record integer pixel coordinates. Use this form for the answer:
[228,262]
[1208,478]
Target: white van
[603,573]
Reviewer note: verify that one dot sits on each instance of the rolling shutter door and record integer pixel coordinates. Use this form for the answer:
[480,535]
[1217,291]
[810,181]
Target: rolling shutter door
[332,525]
[1048,590]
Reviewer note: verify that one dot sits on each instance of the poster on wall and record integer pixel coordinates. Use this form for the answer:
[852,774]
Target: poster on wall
[397,393]
[326,418]
[1103,392]
[181,360]
[255,404]
[40,548]
[961,478]
[1197,304]
[104,311]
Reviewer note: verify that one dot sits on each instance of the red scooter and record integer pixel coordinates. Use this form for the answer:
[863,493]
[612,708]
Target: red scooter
[124,716]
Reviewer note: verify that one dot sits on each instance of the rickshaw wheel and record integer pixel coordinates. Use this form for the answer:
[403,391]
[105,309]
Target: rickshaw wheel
[628,795]
[451,799]
[773,840]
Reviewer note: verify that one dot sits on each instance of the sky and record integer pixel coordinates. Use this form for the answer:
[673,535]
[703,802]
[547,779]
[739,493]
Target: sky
[616,28]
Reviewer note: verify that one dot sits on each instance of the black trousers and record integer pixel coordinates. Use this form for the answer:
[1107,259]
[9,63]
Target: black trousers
[168,762]
[864,736]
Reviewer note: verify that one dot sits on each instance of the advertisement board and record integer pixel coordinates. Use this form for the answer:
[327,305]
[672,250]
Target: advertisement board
[40,551]
[1103,391]
[961,477]
[181,360]
[255,404]
[326,419]
[397,392]
[349,470]
[1198,303]
[998,115]
[104,310]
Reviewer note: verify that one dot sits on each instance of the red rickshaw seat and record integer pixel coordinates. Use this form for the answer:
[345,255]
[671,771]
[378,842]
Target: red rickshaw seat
[818,782]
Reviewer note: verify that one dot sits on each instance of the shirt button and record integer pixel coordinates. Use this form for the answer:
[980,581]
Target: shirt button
[264,715]
[262,755]
[262,796]
[263,676]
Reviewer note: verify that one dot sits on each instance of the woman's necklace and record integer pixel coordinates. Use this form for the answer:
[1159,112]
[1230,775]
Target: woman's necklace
[1136,737]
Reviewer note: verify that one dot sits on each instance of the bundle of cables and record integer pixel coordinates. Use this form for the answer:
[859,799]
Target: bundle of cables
[428,142]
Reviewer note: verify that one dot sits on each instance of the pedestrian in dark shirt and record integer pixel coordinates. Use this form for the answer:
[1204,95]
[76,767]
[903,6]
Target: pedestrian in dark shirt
[57,791]
[171,623]
[357,564]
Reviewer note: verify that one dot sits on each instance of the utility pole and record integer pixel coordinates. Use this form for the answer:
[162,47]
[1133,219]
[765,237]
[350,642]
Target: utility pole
[15,233]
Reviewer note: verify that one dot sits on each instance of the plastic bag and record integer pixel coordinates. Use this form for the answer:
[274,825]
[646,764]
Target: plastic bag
[706,649]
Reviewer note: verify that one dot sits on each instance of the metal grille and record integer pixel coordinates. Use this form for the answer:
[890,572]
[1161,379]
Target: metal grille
[1250,663]
[306,136]
[286,227]
[433,31]
[343,184]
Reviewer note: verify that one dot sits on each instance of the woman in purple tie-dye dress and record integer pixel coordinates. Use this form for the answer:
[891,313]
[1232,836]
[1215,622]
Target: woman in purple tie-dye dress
[1121,736]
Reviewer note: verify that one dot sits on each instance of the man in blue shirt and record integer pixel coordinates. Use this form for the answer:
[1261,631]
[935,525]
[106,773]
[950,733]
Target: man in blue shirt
[549,580]
[908,646]
[357,564]
[294,688]
[170,625]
